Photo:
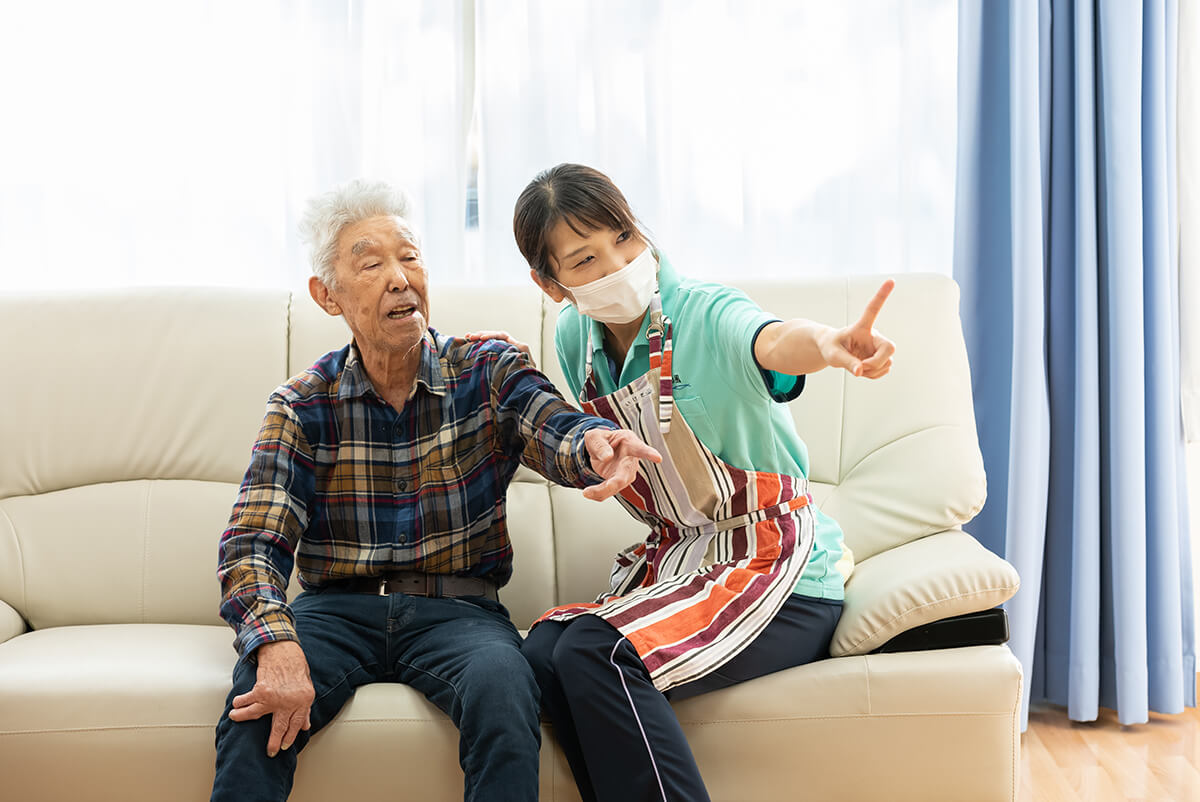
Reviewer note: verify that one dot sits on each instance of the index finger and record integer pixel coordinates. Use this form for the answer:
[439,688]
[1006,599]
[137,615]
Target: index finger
[875,304]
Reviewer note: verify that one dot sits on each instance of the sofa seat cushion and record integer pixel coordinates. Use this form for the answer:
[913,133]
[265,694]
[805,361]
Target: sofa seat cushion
[958,705]
[115,675]
[137,704]
[938,576]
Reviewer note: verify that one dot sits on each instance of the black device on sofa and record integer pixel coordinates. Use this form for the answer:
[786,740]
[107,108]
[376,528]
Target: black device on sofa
[982,628]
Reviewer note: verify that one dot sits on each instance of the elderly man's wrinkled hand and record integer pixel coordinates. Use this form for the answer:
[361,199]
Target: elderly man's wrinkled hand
[283,690]
[615,455]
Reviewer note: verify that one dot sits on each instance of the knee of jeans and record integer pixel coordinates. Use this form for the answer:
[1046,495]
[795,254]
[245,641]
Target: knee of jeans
[245,674]
[500,671]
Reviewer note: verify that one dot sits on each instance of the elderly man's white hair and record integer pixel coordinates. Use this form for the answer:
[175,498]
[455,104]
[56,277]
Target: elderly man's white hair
[328,213]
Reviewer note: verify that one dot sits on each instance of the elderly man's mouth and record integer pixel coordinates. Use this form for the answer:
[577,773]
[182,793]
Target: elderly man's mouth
[402,312]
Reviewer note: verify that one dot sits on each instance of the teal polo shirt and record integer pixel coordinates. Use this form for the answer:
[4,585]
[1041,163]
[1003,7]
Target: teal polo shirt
[720,390]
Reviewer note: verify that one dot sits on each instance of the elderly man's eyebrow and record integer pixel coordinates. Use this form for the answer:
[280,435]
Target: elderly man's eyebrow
[361,246]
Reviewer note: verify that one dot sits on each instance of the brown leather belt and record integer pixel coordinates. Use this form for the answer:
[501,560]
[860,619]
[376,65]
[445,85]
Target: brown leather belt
[417,583]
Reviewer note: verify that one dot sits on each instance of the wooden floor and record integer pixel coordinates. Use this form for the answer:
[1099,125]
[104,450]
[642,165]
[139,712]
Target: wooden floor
[1068,761]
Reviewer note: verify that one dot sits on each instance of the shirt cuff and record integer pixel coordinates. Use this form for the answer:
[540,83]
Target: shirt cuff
[271,627]
[577,452]
[782,387]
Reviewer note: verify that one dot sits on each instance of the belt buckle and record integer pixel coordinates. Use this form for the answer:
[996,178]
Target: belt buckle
[383,586]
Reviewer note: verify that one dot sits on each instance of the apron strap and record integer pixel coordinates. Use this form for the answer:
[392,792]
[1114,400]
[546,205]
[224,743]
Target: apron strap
[659,335]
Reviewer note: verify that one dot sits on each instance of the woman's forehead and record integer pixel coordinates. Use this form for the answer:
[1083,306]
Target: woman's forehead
[565,238]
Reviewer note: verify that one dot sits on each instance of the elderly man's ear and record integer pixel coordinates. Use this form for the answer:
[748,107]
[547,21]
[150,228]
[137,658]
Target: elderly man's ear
[320,294]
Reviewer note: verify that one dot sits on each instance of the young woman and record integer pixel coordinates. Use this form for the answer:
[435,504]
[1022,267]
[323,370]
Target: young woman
[740,575]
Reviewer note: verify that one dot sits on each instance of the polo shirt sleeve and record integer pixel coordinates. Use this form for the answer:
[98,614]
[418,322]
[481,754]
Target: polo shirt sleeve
[731,325]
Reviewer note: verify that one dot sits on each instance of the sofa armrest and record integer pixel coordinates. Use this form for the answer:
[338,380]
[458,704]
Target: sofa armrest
[942,575]
[11,623]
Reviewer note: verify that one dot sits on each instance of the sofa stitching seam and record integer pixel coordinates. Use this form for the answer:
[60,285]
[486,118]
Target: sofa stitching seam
[1013,754]
[899,438]
[684,722]
[136,727]
[145,551]
[867,669]
[21,560]
[857,716]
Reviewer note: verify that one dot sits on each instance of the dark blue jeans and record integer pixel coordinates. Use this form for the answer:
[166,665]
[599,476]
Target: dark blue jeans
[464,655]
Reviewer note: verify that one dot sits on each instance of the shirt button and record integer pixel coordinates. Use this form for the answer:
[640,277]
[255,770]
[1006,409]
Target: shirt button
[402,484]
[403,538]
[399,429]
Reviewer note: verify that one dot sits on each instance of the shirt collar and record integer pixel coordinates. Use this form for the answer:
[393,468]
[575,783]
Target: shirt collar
[356,383]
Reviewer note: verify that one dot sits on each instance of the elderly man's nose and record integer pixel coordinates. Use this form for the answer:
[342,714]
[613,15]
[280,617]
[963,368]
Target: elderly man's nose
[398,280]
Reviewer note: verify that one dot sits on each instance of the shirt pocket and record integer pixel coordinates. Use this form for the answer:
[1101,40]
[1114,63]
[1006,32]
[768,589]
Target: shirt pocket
[695,412]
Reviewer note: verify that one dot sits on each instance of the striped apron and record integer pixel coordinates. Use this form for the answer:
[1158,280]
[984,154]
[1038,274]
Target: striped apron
[726,546]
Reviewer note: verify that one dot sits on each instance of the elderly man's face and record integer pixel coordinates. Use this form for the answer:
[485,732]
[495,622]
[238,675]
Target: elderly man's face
[381,285]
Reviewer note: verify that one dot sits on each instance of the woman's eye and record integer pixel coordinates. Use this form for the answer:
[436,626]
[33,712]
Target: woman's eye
[624,235]
[584,261]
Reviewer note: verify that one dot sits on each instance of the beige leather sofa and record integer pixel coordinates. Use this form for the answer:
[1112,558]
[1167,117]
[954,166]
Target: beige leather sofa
[125,426]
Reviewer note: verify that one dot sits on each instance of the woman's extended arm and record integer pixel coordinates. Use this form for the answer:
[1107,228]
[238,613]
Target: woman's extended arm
[799,346]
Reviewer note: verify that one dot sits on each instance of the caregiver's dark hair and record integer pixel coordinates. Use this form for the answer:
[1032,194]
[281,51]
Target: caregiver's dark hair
[586,198]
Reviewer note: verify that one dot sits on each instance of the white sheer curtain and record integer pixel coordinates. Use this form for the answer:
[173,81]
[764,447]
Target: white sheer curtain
[1189,225]
[762,138]
[176,143]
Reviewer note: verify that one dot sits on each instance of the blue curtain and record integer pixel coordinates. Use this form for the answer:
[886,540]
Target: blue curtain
[1066,253]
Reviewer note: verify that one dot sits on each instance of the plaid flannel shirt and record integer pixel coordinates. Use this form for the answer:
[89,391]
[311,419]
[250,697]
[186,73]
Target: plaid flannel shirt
[342,485]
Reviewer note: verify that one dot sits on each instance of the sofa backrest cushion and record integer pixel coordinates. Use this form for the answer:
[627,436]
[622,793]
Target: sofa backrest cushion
[900,455]
[127,425]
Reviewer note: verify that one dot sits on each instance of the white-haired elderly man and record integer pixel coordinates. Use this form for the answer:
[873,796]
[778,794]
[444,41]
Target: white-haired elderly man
[381,473]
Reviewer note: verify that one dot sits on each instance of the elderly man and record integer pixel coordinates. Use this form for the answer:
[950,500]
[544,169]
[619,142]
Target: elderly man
[381,472]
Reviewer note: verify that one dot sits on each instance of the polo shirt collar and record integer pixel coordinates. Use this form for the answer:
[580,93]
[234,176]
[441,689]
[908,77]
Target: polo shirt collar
[668,284]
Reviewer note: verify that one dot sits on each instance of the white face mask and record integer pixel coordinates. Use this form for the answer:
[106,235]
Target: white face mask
[620,297]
